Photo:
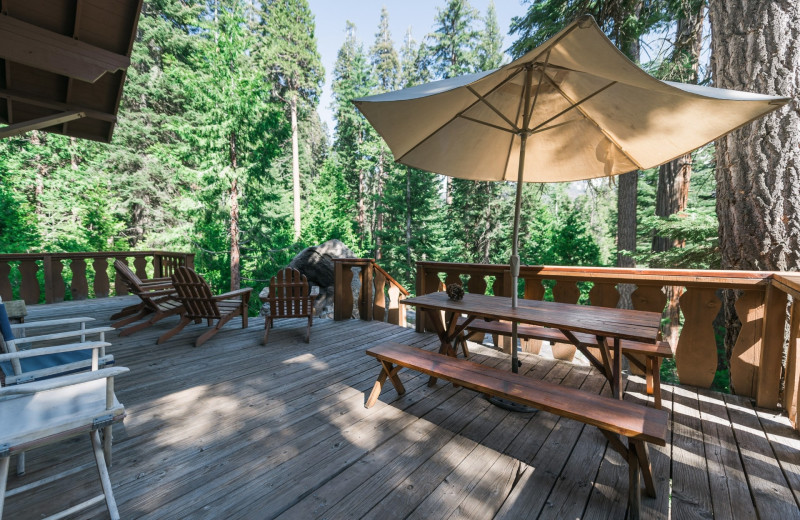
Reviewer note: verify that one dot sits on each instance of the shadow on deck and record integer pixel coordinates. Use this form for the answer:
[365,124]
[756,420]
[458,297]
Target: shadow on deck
[234,429]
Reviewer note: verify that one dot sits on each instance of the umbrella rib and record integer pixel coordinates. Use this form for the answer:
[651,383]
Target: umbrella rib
[542,73]
[462,116]
[607,136]
[496,111]
[509,78]
[551,127]
[573,105]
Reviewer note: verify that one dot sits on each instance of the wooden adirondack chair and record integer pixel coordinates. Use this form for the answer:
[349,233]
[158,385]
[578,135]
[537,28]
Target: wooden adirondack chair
[136,284]
[157,297]
[200,304]
[289,298]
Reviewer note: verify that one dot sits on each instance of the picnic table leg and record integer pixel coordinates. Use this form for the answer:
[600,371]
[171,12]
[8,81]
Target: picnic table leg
[617,369]
[387,371]
[444,333]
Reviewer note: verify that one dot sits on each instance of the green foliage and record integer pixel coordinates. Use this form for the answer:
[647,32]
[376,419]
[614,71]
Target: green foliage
[454,40]
[695,228]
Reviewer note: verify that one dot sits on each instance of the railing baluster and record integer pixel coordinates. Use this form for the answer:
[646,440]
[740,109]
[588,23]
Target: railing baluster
[100,286]
[57,279]
[746,353]
[379,299]
[696,353]
[120,287]
[29,289]
[5,281]
[140,265]
[565,291]
[80,286]
[647,298]
[604,295]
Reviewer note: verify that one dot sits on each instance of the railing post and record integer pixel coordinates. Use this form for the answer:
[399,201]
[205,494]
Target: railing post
[188,260]
[769,367]
[419,322]
[339,313]
[158,271]
[49,279]
[365,298]
[792,364]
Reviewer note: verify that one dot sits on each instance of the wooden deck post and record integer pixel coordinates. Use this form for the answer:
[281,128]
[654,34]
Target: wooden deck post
[420,318]
[769,367]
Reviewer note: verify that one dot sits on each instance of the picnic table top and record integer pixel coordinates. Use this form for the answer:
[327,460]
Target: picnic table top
[601,321]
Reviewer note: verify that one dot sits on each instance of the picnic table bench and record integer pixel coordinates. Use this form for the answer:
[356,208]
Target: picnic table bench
[653,353]
[616,419]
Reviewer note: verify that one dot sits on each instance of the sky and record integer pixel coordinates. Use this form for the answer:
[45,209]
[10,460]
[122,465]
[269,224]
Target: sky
[419,15]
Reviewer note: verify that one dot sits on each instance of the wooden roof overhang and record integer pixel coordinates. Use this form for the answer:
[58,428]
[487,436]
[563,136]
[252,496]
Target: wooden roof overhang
[63,65]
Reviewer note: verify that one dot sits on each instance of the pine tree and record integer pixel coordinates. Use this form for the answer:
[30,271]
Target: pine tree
[455,40]
[296,69]
[234,119]
[490,53]
[352,79]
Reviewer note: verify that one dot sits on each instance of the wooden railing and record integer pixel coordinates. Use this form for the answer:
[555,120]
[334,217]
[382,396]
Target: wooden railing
[27,276]
[378,297]
[756,360]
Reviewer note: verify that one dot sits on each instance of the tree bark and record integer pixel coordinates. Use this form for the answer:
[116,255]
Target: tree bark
[295,168]
[672,194]
[756,48]
[408,219]
[628,184]
[236,276]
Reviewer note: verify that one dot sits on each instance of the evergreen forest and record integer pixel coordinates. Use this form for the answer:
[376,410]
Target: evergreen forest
[220,94]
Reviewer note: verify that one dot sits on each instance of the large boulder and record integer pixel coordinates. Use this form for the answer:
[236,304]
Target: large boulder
[316,262]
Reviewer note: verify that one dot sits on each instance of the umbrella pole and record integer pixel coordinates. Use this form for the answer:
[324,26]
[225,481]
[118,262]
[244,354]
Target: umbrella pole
[523,136]
[515,254]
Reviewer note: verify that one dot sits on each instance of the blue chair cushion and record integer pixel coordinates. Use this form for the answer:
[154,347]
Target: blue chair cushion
[5,325]
[50,360]
[39,362]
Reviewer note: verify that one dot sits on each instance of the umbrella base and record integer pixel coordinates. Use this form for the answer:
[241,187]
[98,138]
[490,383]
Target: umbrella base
[511,406]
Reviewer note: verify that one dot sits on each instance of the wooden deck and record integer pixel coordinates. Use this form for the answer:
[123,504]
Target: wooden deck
[234,429]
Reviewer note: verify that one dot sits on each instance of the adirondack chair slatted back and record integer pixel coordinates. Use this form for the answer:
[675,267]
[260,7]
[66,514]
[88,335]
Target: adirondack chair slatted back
[134,282]
[195,294]
[288,295]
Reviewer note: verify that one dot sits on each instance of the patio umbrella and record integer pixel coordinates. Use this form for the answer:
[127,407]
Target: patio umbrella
[573,108]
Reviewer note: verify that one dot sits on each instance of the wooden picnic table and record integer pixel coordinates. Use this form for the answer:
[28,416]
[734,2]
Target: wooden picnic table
[609,326]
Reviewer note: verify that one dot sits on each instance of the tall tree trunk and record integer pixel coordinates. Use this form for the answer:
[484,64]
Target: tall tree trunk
[236,276]
[41,174]
[756,47]
[295,167]
[627,194]
[408,221]
[674,177]
[362,209]
[378,209]
[626,217]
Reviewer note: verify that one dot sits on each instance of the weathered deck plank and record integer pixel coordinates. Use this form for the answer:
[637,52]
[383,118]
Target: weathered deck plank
[234,429]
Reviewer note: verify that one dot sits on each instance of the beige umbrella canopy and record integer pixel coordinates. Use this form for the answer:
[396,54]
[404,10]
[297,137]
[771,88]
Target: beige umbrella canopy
[573,108]
[595,114]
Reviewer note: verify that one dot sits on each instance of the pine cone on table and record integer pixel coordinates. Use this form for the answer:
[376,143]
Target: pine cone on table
[455,291]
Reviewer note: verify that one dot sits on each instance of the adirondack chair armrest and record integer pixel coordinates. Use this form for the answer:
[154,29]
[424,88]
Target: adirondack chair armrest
[58,349]
[49,323]
[245,293]
[61,382]
[63,335]
[147,289]
[163,292]
[163,279]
